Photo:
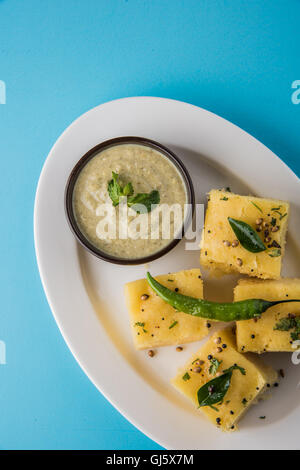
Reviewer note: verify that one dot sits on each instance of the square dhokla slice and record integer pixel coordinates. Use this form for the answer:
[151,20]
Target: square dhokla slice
[154,322]
[276,328]
[217,252]
[243,390]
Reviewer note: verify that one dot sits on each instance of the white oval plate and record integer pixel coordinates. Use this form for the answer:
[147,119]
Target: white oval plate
[86,294]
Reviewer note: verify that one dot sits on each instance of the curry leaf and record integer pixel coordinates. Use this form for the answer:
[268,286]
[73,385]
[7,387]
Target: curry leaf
[214,391]
[235,367]
[247,236]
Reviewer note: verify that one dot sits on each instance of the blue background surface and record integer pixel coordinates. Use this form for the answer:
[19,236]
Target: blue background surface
[59,59]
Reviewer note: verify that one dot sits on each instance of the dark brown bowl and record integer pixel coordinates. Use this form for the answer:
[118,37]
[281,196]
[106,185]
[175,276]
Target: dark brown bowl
[86,158]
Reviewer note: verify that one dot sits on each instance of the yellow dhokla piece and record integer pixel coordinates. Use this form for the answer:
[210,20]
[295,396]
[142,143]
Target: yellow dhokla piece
[217,232]
[154,322]
[243,389]
[259,335]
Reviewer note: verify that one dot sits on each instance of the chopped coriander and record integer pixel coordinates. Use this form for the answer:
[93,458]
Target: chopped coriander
[197,359]
[275,253]
[143,202]
[277,211]
[186,376]
[257,207]
[141,324]
[115,190]
[139,202]
[173,324]
[285,324]
[288,324]
[215,364]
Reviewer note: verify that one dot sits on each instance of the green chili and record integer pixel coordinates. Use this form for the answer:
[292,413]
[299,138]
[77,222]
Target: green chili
[226,312]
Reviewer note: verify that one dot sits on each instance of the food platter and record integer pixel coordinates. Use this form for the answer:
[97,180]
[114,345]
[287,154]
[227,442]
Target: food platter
[86,294]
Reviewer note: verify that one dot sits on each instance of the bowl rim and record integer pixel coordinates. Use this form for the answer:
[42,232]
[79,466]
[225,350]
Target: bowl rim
[68,198]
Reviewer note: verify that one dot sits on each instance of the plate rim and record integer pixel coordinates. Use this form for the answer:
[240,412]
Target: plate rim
[37,241]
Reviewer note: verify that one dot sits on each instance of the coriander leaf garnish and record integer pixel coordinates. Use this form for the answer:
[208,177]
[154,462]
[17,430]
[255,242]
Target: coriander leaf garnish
[277,211]
[224,198]
[114,189]
[214,391]
[173,324]
[141,202]
[288,324]
[275,253]
[284,324]
[215,364]
[141,324]
[128,190]
[247,236]
[257,207]
[295,335]
[186,376]
[144,199]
